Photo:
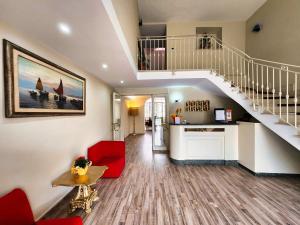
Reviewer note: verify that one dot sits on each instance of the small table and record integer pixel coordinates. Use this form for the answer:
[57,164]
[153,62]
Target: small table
[85,194]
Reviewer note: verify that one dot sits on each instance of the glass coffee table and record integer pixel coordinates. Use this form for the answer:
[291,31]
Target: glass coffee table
[85,195]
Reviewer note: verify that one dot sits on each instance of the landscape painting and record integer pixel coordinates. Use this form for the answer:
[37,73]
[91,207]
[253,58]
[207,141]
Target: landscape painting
[37,87]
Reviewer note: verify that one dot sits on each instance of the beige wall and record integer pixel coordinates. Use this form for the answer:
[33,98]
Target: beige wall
[280,35]
[127,121]
[34,151]
[182,53]
[233,32]
[192,94]
[128,16]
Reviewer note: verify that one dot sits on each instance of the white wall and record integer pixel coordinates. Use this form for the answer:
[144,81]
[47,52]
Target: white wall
[279,38]
[195,93]
[262,151]
[34,151]
[128,16]
[274,155]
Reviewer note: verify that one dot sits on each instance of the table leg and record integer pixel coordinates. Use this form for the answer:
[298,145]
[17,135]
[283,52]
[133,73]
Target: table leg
[84,198]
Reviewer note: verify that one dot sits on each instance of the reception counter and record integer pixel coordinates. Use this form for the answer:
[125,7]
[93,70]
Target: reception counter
[204,144]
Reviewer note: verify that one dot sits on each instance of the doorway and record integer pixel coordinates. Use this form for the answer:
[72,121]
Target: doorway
[116,117]
[160,126]
[149,117]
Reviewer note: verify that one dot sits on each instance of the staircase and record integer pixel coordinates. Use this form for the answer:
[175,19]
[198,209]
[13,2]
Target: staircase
[268,90]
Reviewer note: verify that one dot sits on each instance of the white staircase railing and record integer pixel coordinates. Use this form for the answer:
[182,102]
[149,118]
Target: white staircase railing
[272,87]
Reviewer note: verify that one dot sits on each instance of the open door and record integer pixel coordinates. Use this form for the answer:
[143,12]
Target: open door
[116,117]
[160,123]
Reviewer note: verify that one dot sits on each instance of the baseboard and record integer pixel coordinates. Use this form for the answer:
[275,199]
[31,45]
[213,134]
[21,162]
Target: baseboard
[205,162]
[269,174]
[160,151]
[53,205]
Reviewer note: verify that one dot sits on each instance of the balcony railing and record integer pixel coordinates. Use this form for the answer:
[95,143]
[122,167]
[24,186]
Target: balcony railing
[271,85]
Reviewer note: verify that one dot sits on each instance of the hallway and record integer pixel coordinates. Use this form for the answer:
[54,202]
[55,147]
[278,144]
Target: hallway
[154,191]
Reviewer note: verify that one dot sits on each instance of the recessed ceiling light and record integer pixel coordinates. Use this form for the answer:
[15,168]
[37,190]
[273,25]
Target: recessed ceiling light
[122,81]
[104,66]
[64,28]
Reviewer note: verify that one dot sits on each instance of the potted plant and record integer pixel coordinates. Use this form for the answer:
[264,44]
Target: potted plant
[80,166]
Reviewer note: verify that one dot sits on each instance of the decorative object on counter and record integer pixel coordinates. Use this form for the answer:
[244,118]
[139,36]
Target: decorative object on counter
[223,115]
[228,115]
[197,106]
[177,116]
[133,111]
[80,166]
[35,86]
[220,115]
[177,120]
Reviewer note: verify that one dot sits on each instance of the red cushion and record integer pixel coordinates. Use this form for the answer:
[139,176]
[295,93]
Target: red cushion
[103,149]
[15,209]
[115,166]
[67,221]
[108,153]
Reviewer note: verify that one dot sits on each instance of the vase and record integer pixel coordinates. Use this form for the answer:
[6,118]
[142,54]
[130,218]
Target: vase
[80,179]
[79,171]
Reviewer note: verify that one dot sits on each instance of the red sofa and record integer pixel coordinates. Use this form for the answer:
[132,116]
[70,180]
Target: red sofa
[111,154]
[15,210]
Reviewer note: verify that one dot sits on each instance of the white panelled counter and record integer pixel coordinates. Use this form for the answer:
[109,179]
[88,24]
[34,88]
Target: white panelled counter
[204,144]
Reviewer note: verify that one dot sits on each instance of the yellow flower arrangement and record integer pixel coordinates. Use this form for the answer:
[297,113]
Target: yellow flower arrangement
[80,166]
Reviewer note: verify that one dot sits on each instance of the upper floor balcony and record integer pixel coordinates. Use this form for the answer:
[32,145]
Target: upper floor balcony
[267,83]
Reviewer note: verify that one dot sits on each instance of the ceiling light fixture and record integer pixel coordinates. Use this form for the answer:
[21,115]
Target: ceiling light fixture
[104,66]
[64,28]
[122,81]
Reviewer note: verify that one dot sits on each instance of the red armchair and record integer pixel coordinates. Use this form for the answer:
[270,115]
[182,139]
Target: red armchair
[111,154]
[15,210]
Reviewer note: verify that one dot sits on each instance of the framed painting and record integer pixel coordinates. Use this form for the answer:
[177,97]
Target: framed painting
[35,86]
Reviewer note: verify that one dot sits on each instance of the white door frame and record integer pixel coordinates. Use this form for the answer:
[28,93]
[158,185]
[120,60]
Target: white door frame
[166,129]
[116,122]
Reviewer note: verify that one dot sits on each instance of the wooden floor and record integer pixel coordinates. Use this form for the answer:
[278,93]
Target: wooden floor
[154,191]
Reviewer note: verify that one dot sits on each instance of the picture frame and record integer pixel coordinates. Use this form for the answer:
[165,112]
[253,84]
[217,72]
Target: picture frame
[36,87]
[197,106]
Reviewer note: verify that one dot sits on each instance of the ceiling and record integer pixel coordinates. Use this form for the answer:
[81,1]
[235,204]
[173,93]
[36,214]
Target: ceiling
[93,40]
[162,11]
[153,30]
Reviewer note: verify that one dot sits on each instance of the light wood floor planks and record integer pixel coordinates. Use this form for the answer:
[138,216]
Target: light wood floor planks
[153,191]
